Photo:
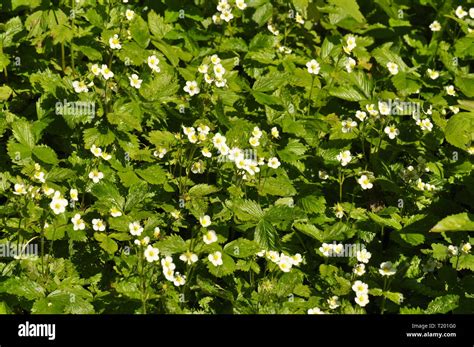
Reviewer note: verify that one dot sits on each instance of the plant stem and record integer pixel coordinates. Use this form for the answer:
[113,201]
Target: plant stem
[310,95]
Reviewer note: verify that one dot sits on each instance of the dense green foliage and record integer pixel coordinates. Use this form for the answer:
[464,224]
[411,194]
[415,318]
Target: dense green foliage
[171,157]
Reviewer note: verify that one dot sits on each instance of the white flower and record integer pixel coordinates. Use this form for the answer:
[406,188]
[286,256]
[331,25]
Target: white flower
[168,273]
[348,125]
[275,133]
[226,16]
[153,62]
[296,259]
[215,59]
[299,19]
[344,157]
[273,256]
[205,221]
[223,6]
[97,151]
[425,124]
[359,269]
[219,70]
[471,12]
[338,249]
[106,156]
[39,175]
[361,115]
[215,258]
[450,90]
[435,26]
[460,13]
[241,5]
[453,250]
[220,82]
[315,310]
[151,254]
[114,42]
[135,81]
[167,262]
[254,141]
[73,194]
[339,211]
[433,74]
[58,204]
[191,88]
[206,152]
[392,67]
[313,67]
[333,302]
[273,162]
[95,69]
[350,44]
[47,190]
[106,72]
[256,132]
[360,287]
[323,175]
[391,131]
[326,249]
[115,212]
[179,280]
[362,299]
[80,87]
[285,263]
[135,228]
[454,109]
[96,176]
[384,108]
[363,256]
[350,64]
[273,30]
[364,182]
[98,224]
[216,19]
[371,109]
[203,68]
[210,237]
[78,222]
[129,14]
[466,248]
[189,257]
[387,269]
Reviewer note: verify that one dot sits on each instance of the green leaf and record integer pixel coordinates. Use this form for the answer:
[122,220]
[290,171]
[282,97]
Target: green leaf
[227,267]
[200,190]
[98,137]
[153,174]
[157,25]
[247,210]
[139,31]
[172,244]
[265,235]
[350,7]
[443,304]
[310,230]
[387,222]
[106,243]
[241,248]
[279,186]
[271,81]
[456,222]
[263,14]
[23,133]
[22,287]
[460,129]
[136,194]
[45,154]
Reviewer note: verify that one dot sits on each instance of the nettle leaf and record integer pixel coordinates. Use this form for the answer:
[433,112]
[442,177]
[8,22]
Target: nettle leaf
[172,244]
[23,133]
[464,262]
[139,31]
[443,304]
[457,222]
[45,154]
[241,248]
[157,25]
[106,242]
[279,186]
[98,137]
[459,130]
[266,235]
[200,190]
[153,174]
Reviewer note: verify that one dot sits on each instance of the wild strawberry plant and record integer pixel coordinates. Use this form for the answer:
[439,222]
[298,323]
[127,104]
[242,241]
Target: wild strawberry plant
[241,156]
